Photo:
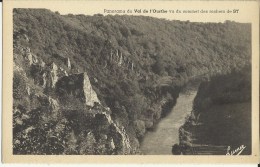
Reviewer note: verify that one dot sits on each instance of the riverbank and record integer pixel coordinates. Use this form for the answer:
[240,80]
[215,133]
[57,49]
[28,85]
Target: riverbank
[166,133]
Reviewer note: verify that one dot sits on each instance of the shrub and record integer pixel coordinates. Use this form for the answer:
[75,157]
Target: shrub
[139,128]
[158,66]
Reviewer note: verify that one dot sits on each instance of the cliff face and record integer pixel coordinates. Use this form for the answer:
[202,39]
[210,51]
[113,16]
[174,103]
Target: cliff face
[221,116]
[96,84]
[79,86]
[47,105]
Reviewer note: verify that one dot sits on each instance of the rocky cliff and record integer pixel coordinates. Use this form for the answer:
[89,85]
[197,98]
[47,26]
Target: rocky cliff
[43,122]
[78,86]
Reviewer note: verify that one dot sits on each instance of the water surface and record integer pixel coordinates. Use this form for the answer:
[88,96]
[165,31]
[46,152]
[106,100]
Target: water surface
[165,135]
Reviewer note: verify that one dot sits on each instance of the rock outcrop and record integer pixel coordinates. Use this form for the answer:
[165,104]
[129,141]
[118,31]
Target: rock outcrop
[53,74]
[68,63]
[119,135]
[79,86]
[121,60]
[54,105]
[43,75]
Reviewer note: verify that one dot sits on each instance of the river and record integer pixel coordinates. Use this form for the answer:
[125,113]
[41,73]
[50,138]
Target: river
[160,140]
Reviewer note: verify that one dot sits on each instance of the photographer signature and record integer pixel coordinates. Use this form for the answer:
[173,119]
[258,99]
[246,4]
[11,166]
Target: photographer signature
[237,151]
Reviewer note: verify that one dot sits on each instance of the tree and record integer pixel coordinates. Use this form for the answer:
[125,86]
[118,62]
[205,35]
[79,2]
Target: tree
[158,66]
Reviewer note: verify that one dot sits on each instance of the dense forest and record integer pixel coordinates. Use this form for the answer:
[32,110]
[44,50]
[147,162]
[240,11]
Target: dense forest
[136,66]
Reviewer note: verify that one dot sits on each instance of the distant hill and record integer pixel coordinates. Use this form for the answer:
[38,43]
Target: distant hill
[136,66]
[221,115]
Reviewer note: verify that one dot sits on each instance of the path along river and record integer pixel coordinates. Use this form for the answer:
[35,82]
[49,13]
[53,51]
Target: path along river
[160,140]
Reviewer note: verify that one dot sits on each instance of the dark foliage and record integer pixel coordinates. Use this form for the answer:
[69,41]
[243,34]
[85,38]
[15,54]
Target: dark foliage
[221,111]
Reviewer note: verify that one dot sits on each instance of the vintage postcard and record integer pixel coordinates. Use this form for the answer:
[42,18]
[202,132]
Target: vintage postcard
[130,81]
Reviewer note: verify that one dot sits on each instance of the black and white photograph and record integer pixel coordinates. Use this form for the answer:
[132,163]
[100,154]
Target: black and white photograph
[118,83]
